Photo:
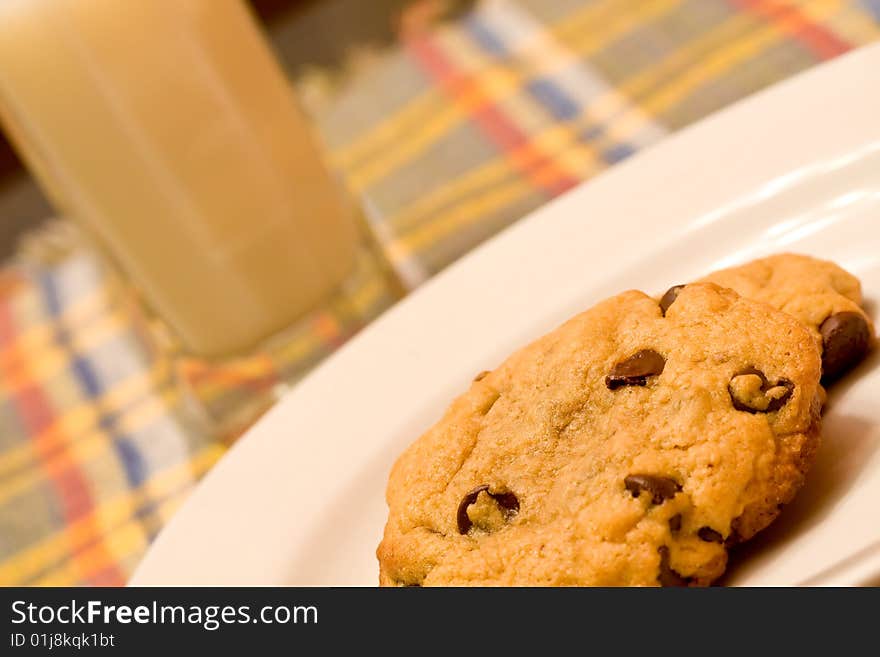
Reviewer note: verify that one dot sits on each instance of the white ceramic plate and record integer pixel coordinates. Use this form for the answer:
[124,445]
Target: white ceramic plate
[300,498]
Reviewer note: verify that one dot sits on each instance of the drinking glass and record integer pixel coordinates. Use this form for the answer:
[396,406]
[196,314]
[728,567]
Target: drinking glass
[168,131]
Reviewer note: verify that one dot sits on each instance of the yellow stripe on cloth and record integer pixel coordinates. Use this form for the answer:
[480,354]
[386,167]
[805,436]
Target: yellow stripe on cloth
[80,419]
[115,514]
[89,444]
[643,87]
[494,83]
[463,214]
[560,142]
[35,337]
[127,543]
[413,116]
[852,26]
[723,60]
[45,363]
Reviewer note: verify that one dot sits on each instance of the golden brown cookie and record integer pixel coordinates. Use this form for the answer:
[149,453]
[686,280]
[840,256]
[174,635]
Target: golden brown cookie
[624,448]
[824,297]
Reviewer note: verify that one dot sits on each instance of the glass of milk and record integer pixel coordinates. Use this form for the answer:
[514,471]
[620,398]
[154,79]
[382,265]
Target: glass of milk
[168,131]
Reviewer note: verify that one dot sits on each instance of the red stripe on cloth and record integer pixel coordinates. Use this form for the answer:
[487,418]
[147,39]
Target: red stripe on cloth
[71,488]
[465,90]
[35,410]
[107,576]
[824,43]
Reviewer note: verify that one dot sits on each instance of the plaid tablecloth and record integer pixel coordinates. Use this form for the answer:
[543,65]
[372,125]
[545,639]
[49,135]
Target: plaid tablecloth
[449,137]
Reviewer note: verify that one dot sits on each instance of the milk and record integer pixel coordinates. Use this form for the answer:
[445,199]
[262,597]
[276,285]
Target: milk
[167,129]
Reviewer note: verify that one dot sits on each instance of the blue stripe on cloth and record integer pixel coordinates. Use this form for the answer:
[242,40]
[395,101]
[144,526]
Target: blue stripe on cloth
[552,97]
[549,94]
[132,461]
[618,152]
[873,7]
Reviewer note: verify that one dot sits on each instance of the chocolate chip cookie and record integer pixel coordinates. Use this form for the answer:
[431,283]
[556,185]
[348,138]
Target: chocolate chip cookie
[627,447]
[824,297]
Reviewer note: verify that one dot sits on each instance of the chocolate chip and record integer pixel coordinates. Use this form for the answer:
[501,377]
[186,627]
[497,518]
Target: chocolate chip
[669,298]
[710,535]
[675,523]
[507,501]
[635,370]
[661,488]
[482,375]
[845,340]
[766,398]
[667,576]
[734,537]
